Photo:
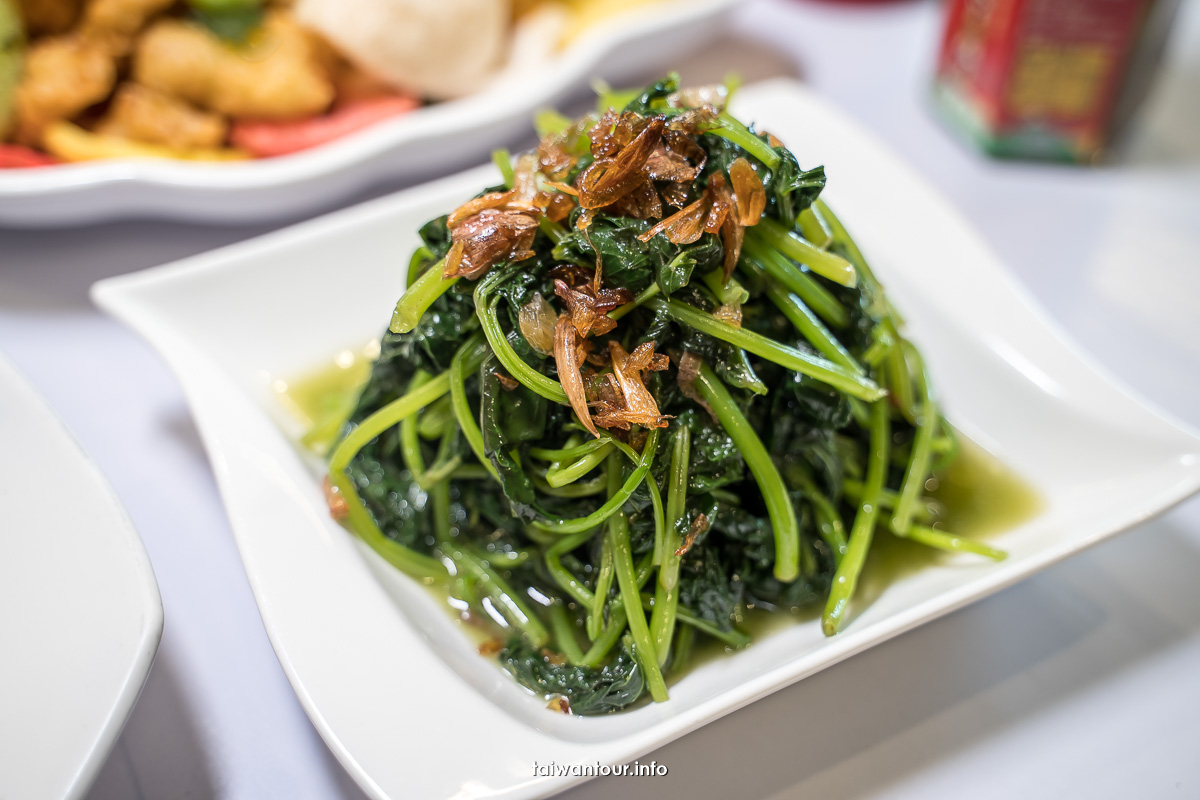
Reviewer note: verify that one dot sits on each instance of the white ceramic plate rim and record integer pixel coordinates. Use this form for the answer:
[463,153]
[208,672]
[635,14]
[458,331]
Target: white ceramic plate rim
[204,383]
[504,100]
[113,528]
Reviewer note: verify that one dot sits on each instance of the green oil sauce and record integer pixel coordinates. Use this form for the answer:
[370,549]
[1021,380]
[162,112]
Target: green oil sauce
[321,400]
[977,496]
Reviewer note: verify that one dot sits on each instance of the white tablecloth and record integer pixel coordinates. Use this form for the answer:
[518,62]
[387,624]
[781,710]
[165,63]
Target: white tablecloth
[1080,682]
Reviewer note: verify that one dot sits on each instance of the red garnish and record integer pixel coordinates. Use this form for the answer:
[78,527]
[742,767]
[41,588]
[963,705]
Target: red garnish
[15,156]
[266,139]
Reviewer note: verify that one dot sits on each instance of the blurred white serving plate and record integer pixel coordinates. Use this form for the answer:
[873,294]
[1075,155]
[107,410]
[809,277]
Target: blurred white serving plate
[428,142]
[80,614]
[396,690]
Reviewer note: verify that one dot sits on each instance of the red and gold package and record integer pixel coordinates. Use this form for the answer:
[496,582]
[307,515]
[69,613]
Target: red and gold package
[1037,78]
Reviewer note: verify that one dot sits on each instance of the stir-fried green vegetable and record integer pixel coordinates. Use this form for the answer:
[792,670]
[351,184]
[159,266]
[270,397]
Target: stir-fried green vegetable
[646,383]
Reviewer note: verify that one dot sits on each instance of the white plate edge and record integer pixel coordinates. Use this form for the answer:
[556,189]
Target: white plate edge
[152,629]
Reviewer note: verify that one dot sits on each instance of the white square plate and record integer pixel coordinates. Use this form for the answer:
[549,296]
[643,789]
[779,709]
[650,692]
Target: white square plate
[429,141]
[400,694]
[80,614]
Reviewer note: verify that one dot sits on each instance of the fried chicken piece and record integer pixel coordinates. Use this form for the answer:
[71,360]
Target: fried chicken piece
[280,77]
[48,17]
[116,23]
[146,115]
[63,76]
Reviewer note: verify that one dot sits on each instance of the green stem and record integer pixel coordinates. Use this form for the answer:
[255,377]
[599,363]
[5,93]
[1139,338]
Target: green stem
[419,257]
[603,644]
[577,469]
[571,490]
[842,237]
[506,600]
[410,441]
[814,228]
[471,472]
[947,446]
[660,522]
[650,291]
[563,526]
[359,520]
[950,542]
[881,344]
[618,536]
[922,451]
[666,592]
[821,369]
[817,297]
[846,578]
[734,131]
[899,381]
[604,579]
[683,648]
[564,633]
[730,293]
[565,579]
[829,521]
[503,161]
[924,511]
[824,263]
[391,414]
[444,464]
[471,355]
[554,232]
[436,417]
[419,297]
[732,637]
[808,324]
[530,378]
[567,453]
[775,494]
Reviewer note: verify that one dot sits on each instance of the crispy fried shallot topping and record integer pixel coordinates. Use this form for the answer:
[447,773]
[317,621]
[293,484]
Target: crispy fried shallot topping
[714,95]
[588,307]
[506,383]
[536,320]
[684,226]
[642,202]
[685,376]
[338,508]
[489,237]
[566,360]
[732,235]
[610,178]
[490,646]
[720,210]
[750,196]
[729,314]
[698,527]
[632,403]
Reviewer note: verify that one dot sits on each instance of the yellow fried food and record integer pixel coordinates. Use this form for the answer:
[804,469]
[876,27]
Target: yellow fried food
[146,115]
[63,75]
[277,76]
[586,14]
[48,16]
[70,142]
[116,23]
[12,51]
